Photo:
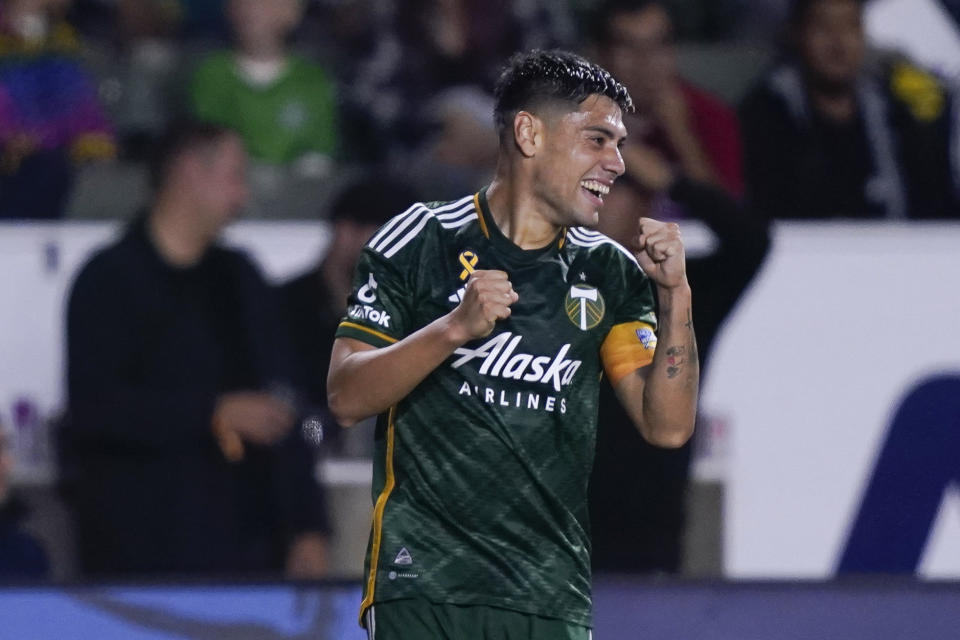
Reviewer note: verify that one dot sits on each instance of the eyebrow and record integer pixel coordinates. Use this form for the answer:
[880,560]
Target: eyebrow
[606,131]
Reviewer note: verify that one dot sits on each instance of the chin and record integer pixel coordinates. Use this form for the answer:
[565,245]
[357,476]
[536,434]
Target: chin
[589,220]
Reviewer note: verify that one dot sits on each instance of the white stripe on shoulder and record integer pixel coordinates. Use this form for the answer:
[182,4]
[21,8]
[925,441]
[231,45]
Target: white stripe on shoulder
[406,218]
[387,243]
[454,206]
[587,233]
[393,222]
[402,242]
[585,238]
[459,223]
[459,217]
[422,213]
[454,217]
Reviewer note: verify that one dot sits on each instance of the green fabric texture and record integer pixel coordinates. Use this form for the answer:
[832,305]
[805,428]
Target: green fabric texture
[416,619]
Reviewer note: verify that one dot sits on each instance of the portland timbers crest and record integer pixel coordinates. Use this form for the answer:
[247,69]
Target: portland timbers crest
[584,306]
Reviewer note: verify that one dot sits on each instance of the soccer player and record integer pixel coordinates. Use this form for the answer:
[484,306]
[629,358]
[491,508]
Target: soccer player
[478,329]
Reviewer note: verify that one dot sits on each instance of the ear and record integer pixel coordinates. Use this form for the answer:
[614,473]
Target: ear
[528,133]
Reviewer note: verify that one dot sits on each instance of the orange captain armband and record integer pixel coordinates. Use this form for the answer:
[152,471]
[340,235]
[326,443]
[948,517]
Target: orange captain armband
[626,348]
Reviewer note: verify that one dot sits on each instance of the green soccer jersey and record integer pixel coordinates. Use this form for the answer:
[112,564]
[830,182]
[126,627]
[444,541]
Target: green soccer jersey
[279,122]
[480,473]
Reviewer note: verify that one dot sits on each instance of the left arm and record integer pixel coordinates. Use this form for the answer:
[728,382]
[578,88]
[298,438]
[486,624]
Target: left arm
[661,398]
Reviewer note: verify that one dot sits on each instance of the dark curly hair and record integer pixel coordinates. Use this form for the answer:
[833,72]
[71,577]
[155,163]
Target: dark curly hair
[533,79]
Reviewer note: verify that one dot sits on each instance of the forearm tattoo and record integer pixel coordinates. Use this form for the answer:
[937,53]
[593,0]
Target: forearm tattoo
[677,355]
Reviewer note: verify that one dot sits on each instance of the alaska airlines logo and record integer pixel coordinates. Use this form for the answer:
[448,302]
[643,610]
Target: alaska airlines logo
[500,361]
[584,306]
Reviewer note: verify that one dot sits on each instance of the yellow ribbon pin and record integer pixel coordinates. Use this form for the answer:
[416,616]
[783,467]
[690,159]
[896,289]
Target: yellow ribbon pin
[469,261]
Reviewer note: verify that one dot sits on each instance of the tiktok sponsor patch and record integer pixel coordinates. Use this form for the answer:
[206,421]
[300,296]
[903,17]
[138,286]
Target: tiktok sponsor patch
[370,314]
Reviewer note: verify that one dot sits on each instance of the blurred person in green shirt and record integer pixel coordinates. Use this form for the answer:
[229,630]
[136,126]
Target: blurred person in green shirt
[282,105]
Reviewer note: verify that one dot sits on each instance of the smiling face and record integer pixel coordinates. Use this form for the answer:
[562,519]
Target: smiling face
[577,161]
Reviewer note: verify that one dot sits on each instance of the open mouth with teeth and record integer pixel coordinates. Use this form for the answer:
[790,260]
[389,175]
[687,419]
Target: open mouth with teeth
[596,189]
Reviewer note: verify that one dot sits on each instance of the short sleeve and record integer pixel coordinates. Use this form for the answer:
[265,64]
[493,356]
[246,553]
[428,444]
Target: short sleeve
[379,307]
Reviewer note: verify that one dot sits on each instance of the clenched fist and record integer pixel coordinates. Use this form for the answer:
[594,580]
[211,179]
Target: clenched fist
[487,298]
[660,252]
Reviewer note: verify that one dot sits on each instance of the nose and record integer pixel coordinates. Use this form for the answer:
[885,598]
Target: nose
[613,162]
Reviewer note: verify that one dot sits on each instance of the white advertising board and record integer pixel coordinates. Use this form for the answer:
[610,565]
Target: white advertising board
[843,321]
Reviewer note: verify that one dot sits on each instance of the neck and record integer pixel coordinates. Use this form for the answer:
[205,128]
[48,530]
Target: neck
[175,233]
[518,214]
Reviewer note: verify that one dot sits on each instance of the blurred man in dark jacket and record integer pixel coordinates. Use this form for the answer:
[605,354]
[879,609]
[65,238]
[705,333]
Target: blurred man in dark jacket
[181,447]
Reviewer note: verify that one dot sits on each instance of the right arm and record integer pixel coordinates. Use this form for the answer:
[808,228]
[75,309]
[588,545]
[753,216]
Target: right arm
[364,381]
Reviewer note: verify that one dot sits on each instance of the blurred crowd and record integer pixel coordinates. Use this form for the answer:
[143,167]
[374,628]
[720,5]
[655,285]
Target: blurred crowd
[192,383]
[830,127]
